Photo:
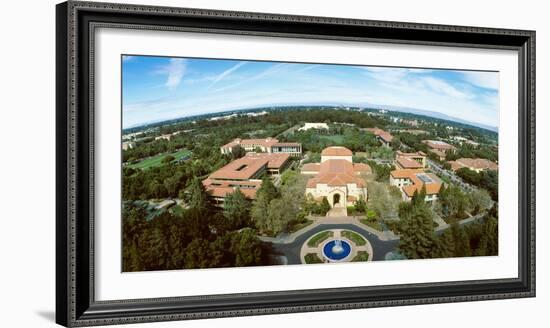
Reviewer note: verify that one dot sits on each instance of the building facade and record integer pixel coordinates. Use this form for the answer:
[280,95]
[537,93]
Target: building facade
[383,136]
[440,148]
[267,145]
[415,160]
[337,178]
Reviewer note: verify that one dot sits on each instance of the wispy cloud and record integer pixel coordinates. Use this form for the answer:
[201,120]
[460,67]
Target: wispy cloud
[126,58]
[226,73]
[265,73]
[487,80]
[174,71]
[415,80]
[218,86]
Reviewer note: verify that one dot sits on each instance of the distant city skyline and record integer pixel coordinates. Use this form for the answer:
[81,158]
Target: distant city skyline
[164,88]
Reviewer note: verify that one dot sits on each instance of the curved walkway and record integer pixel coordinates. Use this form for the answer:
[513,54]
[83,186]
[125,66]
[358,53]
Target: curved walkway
[290,245]
[291,248]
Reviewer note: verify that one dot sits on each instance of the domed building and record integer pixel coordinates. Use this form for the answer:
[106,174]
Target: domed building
[337,178]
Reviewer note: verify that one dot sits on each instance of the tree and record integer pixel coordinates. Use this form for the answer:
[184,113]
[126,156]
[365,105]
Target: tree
[361,204]
[268,188]
[259,212]
[454,202]
[324,207]
[416,230]
[197,254]
[480,200]
[246,248]
[235,209]
[371,215]
[444,245]
[278,216]
[381,201]
[461,240]
[488,243]
[196,196]
[383,152]
[168,159]
[133,226]
[237,152]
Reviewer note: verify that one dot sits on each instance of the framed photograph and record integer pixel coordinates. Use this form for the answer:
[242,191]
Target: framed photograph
[214,163]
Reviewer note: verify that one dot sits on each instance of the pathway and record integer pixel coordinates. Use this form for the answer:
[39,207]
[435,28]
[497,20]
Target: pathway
[291,250]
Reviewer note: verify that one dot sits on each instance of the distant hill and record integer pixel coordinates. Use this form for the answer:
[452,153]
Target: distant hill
[269,107]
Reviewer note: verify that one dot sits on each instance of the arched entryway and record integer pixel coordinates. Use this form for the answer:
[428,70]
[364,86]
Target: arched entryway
[336,200]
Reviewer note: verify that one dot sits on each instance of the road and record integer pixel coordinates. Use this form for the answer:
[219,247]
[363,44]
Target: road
[292,250]
[450,175]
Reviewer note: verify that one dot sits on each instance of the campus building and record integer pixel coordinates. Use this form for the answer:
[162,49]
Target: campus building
[410,181]
[244,173]
[267,145]
[415,160]
[317,126]
[438,147]
[383,136]
[474,164]
[337,178]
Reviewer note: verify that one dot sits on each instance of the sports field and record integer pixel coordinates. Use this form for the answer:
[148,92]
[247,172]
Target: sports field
[157,160]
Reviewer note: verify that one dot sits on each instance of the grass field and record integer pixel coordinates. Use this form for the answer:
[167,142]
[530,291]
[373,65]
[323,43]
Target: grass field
[312,258]
[157,160]
[361,256]
[358,240]
[318,238]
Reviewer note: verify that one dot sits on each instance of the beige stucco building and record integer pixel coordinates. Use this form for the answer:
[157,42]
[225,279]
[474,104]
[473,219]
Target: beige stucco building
[337,178]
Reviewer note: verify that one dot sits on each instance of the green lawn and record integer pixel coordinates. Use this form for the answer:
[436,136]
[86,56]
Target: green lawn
[177,210]
[318,238]
[157,160]
[361,257]
[357,239]
[312,258]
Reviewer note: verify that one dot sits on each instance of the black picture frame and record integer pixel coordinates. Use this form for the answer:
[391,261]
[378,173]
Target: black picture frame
[75,302]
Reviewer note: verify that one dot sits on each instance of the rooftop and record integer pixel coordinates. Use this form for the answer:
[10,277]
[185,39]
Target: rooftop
[408,163]
[246,167]
[384,135]
[438,144]
[475,163]
[418,179]
[266,142]
[336,151]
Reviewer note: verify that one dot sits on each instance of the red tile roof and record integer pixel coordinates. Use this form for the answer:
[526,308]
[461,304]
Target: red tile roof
[246,167]
[336,151]
[475,163]
[337,172]
[408,163]
[384,135]
[439,145]
[311,167]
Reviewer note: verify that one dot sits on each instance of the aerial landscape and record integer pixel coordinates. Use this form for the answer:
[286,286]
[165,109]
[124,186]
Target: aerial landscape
[233,163]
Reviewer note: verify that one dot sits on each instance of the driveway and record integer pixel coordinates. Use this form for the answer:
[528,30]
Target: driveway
[292,249]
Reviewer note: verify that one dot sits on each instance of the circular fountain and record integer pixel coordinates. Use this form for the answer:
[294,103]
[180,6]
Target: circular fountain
[336,250]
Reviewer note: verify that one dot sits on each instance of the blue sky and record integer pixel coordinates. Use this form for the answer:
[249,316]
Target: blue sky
[162,88]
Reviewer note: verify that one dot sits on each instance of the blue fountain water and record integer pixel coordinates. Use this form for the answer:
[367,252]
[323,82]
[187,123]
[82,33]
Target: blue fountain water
[336,250]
